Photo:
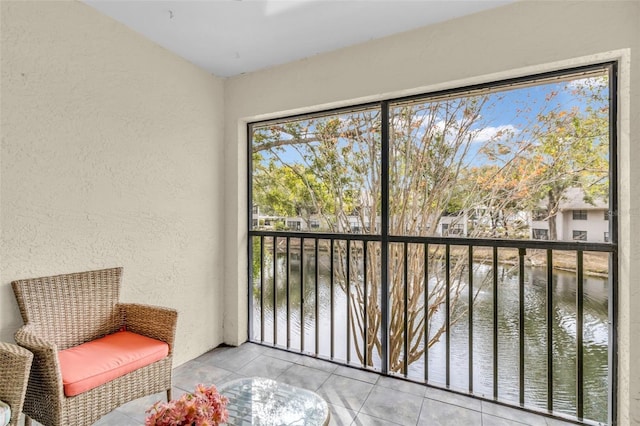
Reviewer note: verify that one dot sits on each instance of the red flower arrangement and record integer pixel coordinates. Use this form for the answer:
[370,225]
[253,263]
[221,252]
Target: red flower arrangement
[204,407]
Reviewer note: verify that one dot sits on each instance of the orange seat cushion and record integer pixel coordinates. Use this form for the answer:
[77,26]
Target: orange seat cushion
[94,363]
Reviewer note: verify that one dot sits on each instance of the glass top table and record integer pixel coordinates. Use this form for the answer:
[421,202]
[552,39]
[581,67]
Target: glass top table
[265,402]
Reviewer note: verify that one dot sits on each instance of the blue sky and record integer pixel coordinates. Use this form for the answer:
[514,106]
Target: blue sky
[511,110]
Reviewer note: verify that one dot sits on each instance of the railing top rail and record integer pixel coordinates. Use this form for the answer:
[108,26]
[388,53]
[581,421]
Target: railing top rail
[452,241]
[317,235]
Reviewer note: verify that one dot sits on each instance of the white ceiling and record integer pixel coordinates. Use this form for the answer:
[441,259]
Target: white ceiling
[231,37]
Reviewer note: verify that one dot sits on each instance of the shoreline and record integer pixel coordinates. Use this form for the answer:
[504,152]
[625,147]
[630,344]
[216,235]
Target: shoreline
[596,264]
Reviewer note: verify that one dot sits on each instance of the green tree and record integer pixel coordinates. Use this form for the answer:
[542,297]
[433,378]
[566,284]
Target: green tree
[289,190]
[572,152]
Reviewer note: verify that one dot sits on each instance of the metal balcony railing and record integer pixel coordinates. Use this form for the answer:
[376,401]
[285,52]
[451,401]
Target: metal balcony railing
[321,294]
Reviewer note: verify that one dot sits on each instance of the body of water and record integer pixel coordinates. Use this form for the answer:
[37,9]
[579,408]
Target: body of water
[595,335]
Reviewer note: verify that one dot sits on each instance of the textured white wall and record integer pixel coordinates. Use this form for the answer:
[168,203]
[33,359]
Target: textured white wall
[111,155]
[519,39]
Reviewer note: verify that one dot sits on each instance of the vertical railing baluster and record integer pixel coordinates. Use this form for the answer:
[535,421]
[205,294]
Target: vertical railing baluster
[317,301]
[301,294]
[495,322]
[470,287]
[348,287]
[331,283]
[275,291]
[262,289]
[426,312]
[288,278]
[521,253]
[447,308]
[251,288]
[405,332]
[579,337]
[550,330]
[365,299]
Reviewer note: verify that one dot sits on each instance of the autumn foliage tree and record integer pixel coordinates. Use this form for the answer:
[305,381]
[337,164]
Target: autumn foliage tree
[565,145]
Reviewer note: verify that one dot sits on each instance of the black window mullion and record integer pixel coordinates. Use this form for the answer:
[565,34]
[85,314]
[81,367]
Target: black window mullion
[613,239]
[384,225]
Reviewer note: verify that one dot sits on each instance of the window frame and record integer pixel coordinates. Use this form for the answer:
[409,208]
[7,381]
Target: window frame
[580,214]
[539,234]
[576,235]
[383,234]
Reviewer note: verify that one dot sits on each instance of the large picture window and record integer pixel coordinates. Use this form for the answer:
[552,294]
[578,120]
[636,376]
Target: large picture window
[405,235]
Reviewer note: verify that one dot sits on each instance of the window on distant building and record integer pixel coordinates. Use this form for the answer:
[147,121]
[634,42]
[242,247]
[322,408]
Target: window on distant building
[314,224]
[540,234]
[606,237]
[579,215]
[606,215]
[294,225]
[456,229]
[580,235]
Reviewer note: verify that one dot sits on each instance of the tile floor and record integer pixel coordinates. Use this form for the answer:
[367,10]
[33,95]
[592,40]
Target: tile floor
[355,397]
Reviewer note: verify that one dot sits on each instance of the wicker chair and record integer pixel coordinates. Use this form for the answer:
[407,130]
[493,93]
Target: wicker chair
[64,311]
[15,363]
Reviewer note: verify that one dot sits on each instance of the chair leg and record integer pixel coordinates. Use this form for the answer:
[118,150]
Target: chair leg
[168,395]
[27,420]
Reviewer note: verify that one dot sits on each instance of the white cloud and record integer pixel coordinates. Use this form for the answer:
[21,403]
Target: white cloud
[480,135]
[438,126]
[488,133]
[594,82]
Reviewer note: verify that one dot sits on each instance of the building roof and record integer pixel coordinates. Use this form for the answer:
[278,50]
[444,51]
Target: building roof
[573,199]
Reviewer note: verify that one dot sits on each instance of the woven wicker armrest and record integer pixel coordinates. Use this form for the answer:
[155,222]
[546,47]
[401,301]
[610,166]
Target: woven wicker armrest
[45,373]
[28,338]
[151,321]
[15,364]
